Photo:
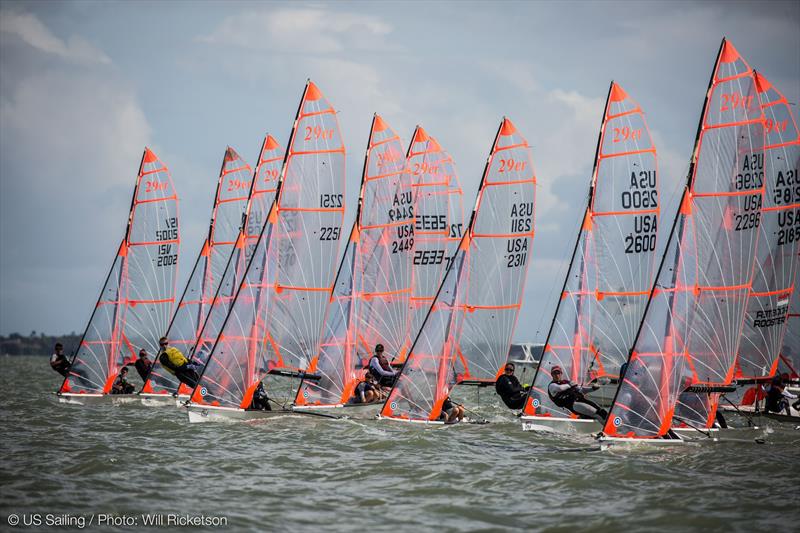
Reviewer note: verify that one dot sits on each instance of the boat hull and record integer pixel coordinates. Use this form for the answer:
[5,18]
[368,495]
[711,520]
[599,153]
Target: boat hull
[96,399]
[205,413]
[353,411]
[554,424]
[162,400]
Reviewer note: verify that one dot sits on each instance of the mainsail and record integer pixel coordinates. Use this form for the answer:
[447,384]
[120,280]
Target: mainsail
[276,316]
[481,290]
[779,240]
[691,327]
[438,226]
[230,199]
[611,271]
[137,298]
[369,299]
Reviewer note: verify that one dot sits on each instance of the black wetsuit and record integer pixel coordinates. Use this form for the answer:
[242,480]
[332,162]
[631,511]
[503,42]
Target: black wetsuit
[60,364]
[143,367]
[510,391]
[260,400]
[775,402]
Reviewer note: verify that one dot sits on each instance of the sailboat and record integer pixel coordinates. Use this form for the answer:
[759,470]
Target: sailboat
[689,336]
[611,270]
[763,352]
[242,200]
[481,290]
[138,295]
[369,302]
[276,316]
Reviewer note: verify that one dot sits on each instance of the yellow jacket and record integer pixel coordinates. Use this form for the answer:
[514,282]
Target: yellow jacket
[174,359]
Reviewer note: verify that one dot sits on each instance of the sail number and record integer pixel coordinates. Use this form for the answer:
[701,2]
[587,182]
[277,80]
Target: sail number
[510,165]
[626,134]
[522,217]
[752,174]
[329,233]
[643,237]
[789,226]
[787,187]
[401,207]
[429,257]
[169,234]
[517,249]
[317,133]
[165,256]
[751,218]
[642,193]
[331,200]
[388,156]
[431,222]
[405,239]
[730,101]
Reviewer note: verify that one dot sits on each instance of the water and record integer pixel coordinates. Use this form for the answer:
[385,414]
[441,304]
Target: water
[306,473]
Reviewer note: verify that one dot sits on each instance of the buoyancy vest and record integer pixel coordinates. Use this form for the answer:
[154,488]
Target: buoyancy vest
[564,399]
[172,359]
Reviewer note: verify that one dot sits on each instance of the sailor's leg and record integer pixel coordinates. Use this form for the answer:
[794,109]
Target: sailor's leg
[589,409]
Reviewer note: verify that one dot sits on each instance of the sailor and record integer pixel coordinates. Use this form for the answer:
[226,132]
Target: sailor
[509,388]
[570,396]
[176,363]
[58,361]
[451,412]
[778,397]
[367,391]
[143,364]
[121,385]
[260,399]
[380,368]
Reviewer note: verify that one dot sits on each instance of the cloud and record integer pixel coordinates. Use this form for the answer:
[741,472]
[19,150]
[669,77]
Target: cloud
[30,29]
[311,30]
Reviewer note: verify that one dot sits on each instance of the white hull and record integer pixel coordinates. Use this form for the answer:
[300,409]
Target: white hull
[606,441]
[162,400]
[750,410]
[554,424]
[201,413]
[96,399]
[353,411]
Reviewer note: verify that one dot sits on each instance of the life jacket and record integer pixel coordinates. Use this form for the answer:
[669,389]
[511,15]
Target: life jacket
[172,359]
[774,396]
[564,399]
[384,364]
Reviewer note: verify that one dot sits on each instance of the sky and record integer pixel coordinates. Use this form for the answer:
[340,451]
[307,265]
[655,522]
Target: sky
[84,86]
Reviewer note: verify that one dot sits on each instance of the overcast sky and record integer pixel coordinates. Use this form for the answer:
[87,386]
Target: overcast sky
[84,86]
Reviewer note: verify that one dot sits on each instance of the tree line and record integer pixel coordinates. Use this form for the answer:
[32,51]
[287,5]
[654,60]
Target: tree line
[37,343]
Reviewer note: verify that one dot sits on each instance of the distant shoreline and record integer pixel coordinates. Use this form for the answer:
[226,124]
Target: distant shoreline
[37,343]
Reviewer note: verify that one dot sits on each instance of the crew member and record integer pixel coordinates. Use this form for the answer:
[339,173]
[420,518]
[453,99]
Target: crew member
[570,396]
[508,387]
[58,361]
[121,385]
[380,368]
[176,363]
[143,364]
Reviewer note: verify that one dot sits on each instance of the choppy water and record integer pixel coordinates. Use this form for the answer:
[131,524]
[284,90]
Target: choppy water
[306,473]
